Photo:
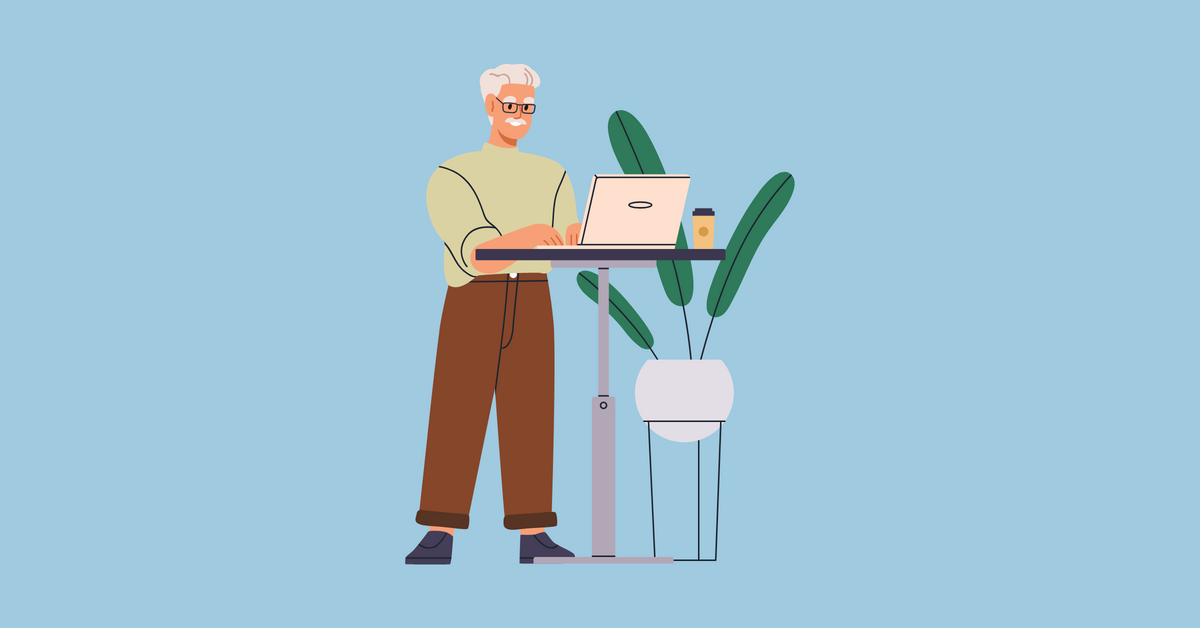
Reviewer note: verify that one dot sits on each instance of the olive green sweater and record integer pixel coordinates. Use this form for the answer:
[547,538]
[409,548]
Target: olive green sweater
[478,196]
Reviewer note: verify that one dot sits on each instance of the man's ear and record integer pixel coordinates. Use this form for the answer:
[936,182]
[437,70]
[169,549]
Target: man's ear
[489,104]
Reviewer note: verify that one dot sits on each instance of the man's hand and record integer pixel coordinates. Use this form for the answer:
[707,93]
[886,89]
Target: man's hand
[533,236]
[573,234]
[526,238]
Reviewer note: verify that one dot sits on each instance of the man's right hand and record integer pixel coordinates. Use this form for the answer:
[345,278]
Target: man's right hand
[525,238]
[533,236]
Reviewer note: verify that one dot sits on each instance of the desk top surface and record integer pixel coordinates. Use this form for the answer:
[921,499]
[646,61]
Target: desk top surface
[582,253]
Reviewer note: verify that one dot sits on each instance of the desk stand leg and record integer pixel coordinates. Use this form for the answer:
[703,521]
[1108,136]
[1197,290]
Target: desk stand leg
[604,476]
[604,441]
[604,458]
[602,334]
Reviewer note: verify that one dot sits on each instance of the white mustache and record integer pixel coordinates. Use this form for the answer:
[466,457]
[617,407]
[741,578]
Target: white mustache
[516,121]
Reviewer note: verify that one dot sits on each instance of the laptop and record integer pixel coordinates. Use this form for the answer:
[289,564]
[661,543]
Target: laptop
[633,211]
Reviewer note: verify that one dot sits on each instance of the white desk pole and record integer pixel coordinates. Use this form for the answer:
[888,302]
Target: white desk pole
[604,410]
[604,433]
[604,442]
[602,307]
[604,417]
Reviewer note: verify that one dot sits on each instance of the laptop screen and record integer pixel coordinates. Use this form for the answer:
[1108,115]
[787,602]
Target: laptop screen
[634,209]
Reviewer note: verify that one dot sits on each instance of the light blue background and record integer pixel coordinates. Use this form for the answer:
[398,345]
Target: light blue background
[965,357]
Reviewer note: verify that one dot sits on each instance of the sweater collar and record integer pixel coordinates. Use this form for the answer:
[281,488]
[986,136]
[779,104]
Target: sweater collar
[497,151]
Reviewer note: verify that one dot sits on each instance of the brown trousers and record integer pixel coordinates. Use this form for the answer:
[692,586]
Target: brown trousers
[497,337]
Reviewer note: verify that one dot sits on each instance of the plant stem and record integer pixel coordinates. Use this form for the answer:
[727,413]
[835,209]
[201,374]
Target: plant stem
[706,337]
[654,354]
[688,330]
[683,305]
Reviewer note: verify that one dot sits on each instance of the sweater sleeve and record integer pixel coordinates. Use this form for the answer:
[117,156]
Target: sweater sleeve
[565,212]
[458,217]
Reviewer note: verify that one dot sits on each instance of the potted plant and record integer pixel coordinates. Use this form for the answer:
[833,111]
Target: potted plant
[685,400]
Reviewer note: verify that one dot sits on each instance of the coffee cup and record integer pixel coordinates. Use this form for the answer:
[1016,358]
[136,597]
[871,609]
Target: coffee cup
[703,224]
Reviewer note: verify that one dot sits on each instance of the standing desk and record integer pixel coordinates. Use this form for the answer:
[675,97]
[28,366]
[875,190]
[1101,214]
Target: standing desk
[604,410]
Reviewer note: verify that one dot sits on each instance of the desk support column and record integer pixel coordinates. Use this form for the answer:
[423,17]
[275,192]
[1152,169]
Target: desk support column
[604,442]
[602,302]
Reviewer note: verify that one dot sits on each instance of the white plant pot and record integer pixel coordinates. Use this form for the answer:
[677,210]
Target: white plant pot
[686,399]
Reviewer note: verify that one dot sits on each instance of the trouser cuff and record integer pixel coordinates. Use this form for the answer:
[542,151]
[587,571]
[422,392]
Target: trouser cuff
[531,520]
[443,519]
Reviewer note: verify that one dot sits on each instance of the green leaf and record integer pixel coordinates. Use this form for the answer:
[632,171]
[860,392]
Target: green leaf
[632,146]
[618,308]
[764,210]
[636,154]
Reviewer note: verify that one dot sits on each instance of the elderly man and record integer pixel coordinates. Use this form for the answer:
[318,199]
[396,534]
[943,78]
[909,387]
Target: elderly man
[497,329]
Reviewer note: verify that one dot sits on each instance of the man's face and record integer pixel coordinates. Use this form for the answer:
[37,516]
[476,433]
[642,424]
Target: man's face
[512,126]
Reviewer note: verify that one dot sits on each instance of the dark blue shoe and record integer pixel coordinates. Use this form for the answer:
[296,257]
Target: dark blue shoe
[538,546]
[434,549]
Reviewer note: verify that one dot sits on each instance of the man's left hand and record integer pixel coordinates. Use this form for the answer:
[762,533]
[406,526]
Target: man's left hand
[573,234]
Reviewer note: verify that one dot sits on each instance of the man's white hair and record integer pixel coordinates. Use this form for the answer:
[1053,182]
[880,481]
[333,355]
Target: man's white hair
[492,80]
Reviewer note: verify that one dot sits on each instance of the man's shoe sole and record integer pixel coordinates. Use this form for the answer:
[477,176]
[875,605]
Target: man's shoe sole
[426,561]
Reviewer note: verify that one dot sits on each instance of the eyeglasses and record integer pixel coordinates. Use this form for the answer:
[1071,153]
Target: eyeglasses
[511,107]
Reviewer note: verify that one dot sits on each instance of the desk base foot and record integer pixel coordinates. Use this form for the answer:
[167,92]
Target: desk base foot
[605,560]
